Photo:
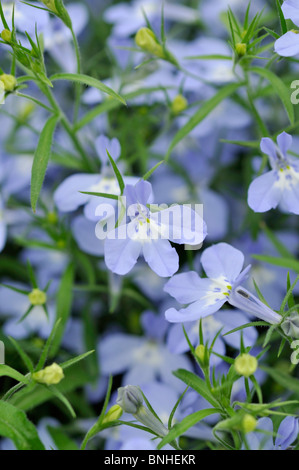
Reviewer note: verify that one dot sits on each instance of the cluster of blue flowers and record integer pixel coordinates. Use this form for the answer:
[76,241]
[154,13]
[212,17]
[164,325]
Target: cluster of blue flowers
[149,202]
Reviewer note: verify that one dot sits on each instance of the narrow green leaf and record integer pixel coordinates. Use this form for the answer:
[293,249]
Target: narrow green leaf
[89,81]
[283,23]
[283,262]
[71,362]
[151,171]
[117,173]
[202,113]
[6,371]
[180,428]
[26,359]
[197,384]
[282,378]
[108,196]
[41,159]
[15,425]
[63,306]
[280,89]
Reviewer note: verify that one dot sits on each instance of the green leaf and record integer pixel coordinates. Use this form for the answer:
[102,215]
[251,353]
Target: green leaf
[63,400]
[247,325]
[280,89]
[151,171]
[283,262]
[197,384]
[89,81]
[202,113]
[63,306]
[175,407]
[289,383]
[47,347]
[15,425]
[71,362]
[26,359]
[41,159]
[6,371]
[187,423]
[108,196]
[117,173]
[283,23]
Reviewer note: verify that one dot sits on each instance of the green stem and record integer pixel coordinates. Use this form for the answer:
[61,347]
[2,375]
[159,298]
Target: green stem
[77,86]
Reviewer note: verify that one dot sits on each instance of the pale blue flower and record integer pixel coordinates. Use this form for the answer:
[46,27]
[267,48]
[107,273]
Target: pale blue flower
[148,233]
[280,186]
[286,434]
[223,265]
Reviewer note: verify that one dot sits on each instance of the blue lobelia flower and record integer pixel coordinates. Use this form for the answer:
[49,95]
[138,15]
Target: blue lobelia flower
[142,359]
[149,233]
[286,434]
[288,44]
[280,186]
[68,197]
[223,265]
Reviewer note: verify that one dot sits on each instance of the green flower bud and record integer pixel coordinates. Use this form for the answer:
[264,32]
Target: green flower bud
[129,398]
[51,375]
[249,423]
[114,413]
[6,35]
[245,365]
[146,40]
[202,354]
[37,297]
[9,82]
[179,104]
[241,49]
[50,4]
[290,326]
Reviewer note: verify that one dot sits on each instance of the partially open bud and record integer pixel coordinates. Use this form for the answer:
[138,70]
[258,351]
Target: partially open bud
[249,423]
[51,375]
[290,326]
[146,40]
[37,297]
[245,365]
[9,82]
[241,49]
[129,398]
[114,413]
[179,104]
[6,35]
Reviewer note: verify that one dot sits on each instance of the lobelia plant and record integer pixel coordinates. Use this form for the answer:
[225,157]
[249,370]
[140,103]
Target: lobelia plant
[135,205]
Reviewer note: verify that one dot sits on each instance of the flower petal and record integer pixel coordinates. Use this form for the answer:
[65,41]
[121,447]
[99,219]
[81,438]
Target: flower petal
[263,193]
[222,260]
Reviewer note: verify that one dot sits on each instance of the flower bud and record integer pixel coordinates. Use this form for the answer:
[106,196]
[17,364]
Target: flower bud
[146,40]
[241,49]
[6,35]
[50,4]
[51,375]
[37,297]
[129,398]
[179,104]
[202,354]
[245,365]
[249,423]
[114,413]
[290,326]
[9,82]
[52,218]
